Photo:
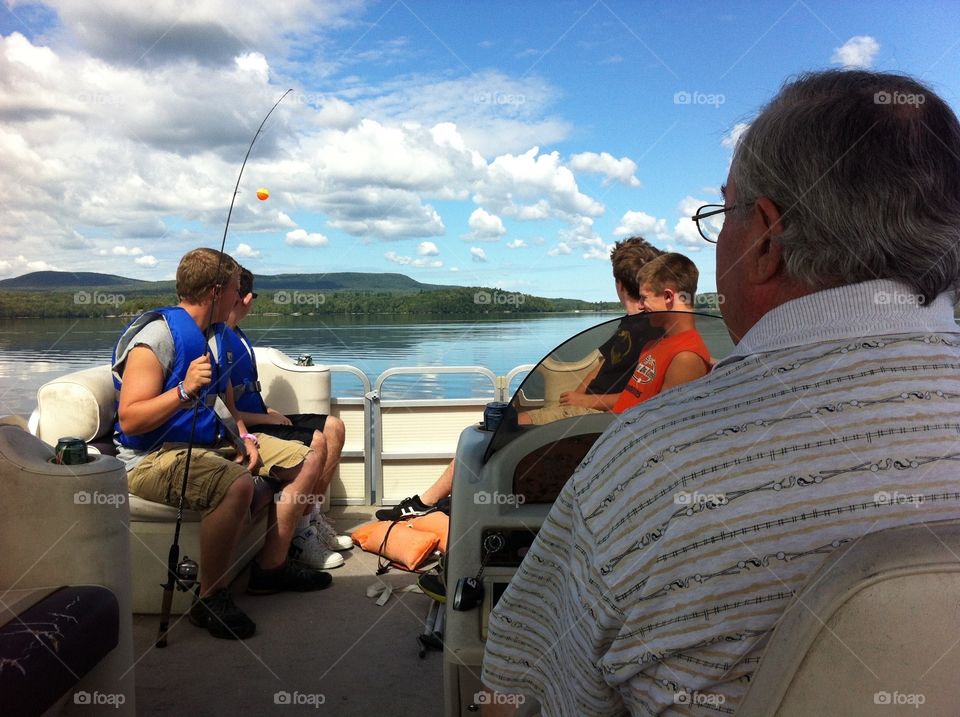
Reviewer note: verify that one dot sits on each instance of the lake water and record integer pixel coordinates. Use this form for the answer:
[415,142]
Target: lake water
[33,352]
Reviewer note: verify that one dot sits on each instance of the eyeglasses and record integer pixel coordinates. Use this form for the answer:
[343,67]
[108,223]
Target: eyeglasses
[254,295]
[710,230]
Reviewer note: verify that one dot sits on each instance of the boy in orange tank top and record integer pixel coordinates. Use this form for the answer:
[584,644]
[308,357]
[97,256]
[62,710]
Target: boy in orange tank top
[667,287]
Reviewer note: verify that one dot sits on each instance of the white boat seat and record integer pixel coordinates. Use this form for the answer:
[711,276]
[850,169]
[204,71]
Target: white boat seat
[561,376]
[82,405]
[874,632]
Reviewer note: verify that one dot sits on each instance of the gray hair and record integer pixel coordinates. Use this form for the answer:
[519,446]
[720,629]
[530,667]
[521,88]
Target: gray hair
[865,170]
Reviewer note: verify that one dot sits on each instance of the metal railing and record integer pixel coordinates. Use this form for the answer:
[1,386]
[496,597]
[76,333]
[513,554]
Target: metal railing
[444,418]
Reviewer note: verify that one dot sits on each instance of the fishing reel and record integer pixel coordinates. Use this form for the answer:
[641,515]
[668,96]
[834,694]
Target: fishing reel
[187,572]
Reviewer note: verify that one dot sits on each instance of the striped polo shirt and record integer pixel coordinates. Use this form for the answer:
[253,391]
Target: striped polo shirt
[666,561]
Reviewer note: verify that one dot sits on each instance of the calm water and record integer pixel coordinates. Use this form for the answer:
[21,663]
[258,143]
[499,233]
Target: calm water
[33,352]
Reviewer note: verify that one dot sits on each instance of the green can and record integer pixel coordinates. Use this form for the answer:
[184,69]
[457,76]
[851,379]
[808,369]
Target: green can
[71,451]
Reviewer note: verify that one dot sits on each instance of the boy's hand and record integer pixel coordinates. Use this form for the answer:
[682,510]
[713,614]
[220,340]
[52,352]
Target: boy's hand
[277,418]
[574,398]
[199,374]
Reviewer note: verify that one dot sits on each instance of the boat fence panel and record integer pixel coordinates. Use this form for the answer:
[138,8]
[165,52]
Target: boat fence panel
[350,484]
[397,447]
[415,439]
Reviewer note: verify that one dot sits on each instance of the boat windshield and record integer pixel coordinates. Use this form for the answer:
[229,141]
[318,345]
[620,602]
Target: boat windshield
[599,360]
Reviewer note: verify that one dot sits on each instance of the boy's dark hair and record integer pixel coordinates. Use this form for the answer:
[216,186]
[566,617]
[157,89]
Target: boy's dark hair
[671,271]
[246,281]
[628,257]
[201,270]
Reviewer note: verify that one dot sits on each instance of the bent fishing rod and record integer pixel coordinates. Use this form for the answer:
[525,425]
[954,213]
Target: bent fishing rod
[183,575]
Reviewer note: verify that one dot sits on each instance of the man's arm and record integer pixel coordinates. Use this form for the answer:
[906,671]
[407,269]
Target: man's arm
[143,404]
[685,366]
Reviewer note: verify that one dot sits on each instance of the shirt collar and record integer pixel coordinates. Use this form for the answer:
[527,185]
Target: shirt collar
[870,308]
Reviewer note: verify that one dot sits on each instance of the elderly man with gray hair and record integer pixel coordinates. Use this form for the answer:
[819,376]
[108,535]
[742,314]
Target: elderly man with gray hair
[838,259]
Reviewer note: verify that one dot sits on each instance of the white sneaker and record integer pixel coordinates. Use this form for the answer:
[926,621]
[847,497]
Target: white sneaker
[328,536]
[308,550]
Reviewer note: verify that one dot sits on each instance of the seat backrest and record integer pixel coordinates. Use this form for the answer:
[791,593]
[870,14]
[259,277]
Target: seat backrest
[875,631]
[80,404]
[561,376]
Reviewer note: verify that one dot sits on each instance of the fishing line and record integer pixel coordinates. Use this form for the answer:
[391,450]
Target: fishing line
[183,575]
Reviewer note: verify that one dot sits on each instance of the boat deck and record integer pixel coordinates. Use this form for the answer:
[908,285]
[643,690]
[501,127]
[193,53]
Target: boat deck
[335,651]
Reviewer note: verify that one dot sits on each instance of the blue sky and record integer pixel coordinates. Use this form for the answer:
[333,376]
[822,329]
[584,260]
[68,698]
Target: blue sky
[496,144]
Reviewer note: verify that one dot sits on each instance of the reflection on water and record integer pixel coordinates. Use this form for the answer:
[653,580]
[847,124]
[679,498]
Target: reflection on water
[33,352]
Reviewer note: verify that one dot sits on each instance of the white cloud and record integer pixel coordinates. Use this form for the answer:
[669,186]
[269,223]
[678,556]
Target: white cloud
[561,249]
[516,244]
[484,226]
[300,237]
[146,260]
[642,224]
[168,132]
[478,254]
[285,221]
[512,179]
[857,52]
[686,230]
[427,248]
[600,252]
[246,251]
[410,261]
[124,251]
[205,31]
[733,136]
[615,170]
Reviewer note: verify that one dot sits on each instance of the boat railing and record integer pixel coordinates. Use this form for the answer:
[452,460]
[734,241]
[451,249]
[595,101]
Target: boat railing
[397,446]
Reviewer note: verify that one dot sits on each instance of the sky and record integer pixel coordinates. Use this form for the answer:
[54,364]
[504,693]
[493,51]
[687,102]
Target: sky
[495,144]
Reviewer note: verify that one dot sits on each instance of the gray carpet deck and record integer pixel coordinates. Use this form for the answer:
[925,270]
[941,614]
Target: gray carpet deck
[335,652]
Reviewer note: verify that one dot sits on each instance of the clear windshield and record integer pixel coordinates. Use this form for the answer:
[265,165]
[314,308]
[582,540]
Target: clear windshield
[600,363]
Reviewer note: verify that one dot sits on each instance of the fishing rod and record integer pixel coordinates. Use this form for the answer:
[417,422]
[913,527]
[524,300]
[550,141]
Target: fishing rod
[183,574]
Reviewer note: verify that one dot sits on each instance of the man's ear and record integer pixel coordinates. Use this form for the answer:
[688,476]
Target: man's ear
[767,254]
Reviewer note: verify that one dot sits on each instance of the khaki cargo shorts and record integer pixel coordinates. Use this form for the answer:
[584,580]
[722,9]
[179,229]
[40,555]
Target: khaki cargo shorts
[540,416]
[159,475]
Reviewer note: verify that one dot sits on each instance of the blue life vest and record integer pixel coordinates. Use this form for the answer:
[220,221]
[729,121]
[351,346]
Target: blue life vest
[189,344]
[242,371]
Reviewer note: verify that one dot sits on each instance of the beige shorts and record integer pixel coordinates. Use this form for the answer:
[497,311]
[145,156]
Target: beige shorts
[159,475]
[540,416]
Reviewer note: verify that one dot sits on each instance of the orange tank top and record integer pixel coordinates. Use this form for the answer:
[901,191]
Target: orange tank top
[647,379]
